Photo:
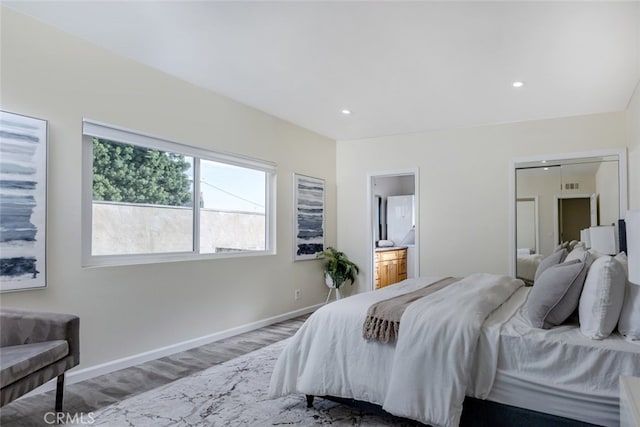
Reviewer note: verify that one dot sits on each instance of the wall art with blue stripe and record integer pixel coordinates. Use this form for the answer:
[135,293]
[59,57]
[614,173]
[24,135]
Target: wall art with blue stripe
[309,217]
[23,202]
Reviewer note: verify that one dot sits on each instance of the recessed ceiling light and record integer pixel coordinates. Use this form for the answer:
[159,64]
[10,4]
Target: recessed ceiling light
[346,112]
[517,84]
[543,161]
[546,169]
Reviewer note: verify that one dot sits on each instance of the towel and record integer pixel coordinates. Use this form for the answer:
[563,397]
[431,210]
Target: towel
[383,318]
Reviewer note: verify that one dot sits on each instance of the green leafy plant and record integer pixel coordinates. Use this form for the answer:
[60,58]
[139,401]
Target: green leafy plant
[338,267]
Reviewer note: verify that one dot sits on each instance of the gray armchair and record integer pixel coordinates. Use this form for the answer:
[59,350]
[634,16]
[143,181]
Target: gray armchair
[36,347]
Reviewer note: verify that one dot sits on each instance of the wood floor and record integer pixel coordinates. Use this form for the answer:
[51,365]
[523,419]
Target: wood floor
[91,395]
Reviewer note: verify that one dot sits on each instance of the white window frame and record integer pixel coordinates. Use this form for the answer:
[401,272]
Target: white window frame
[91,129]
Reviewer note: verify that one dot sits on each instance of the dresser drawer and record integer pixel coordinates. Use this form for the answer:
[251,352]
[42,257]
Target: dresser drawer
[388,255]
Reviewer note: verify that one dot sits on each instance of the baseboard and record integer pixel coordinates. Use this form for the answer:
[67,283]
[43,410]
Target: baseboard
[74,376]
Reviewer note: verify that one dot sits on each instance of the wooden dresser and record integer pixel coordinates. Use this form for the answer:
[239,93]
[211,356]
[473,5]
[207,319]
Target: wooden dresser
[391,266]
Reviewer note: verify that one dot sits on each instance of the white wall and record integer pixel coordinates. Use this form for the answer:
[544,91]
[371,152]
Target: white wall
[132,228]
[463,185]
[48,74]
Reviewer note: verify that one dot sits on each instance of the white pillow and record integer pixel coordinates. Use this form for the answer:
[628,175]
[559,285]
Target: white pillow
[622,259]
[595,254]
[602,298]
[629,323]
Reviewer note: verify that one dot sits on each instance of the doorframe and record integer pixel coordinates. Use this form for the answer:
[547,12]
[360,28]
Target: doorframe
[370,250]
[593,211]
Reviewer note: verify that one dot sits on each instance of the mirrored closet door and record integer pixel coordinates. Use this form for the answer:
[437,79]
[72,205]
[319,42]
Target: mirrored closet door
[556,198]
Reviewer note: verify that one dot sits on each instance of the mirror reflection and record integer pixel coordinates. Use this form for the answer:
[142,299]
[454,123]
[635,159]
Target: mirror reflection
[556,200]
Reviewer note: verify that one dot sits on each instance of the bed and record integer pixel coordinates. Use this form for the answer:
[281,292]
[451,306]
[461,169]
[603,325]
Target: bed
[426,374]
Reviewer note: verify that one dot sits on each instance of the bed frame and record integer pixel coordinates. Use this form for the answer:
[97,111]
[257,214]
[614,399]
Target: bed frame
[476,413]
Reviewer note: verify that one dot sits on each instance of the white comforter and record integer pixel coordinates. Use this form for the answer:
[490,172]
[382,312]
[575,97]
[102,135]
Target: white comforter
[424,376]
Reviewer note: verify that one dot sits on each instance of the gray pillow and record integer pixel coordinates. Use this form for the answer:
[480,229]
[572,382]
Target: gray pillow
[554,259]
[581,254]
[556,293]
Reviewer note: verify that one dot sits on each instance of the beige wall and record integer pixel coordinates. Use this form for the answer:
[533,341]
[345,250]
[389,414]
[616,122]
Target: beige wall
[464,195]
[127,310]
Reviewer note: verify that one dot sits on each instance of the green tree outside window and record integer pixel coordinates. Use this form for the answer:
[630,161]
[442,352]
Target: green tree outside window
[130,174]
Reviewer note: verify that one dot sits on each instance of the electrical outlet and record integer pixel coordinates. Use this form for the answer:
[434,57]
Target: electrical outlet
[296,294]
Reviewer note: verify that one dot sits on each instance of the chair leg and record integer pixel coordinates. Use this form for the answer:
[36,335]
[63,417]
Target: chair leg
[59,392]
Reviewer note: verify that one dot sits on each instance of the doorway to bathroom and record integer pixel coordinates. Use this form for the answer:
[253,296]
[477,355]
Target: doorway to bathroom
[394,227]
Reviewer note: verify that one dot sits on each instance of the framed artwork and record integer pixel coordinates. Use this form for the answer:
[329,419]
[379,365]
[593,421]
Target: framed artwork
[23,202]
[308,205]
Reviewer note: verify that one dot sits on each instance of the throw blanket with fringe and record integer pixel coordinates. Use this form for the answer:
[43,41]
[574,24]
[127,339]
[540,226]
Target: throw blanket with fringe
[383,318]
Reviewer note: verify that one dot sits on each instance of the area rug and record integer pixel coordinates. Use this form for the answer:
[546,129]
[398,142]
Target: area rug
[234,393]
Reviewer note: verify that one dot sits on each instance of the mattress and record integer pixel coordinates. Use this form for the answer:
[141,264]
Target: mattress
[557,371]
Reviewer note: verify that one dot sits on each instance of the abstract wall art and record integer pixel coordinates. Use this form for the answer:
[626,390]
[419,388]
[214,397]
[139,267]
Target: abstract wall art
[23,202]
[309,217]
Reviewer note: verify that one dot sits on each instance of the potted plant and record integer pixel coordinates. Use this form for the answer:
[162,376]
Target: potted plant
[338,268]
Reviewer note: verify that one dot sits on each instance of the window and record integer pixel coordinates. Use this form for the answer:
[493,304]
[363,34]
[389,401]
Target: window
[146,199]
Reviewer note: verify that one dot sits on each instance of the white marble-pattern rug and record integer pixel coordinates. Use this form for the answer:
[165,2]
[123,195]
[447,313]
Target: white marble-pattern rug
[234,393]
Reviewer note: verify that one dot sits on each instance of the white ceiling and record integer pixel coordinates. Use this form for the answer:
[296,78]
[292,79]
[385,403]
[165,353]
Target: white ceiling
[401,67]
